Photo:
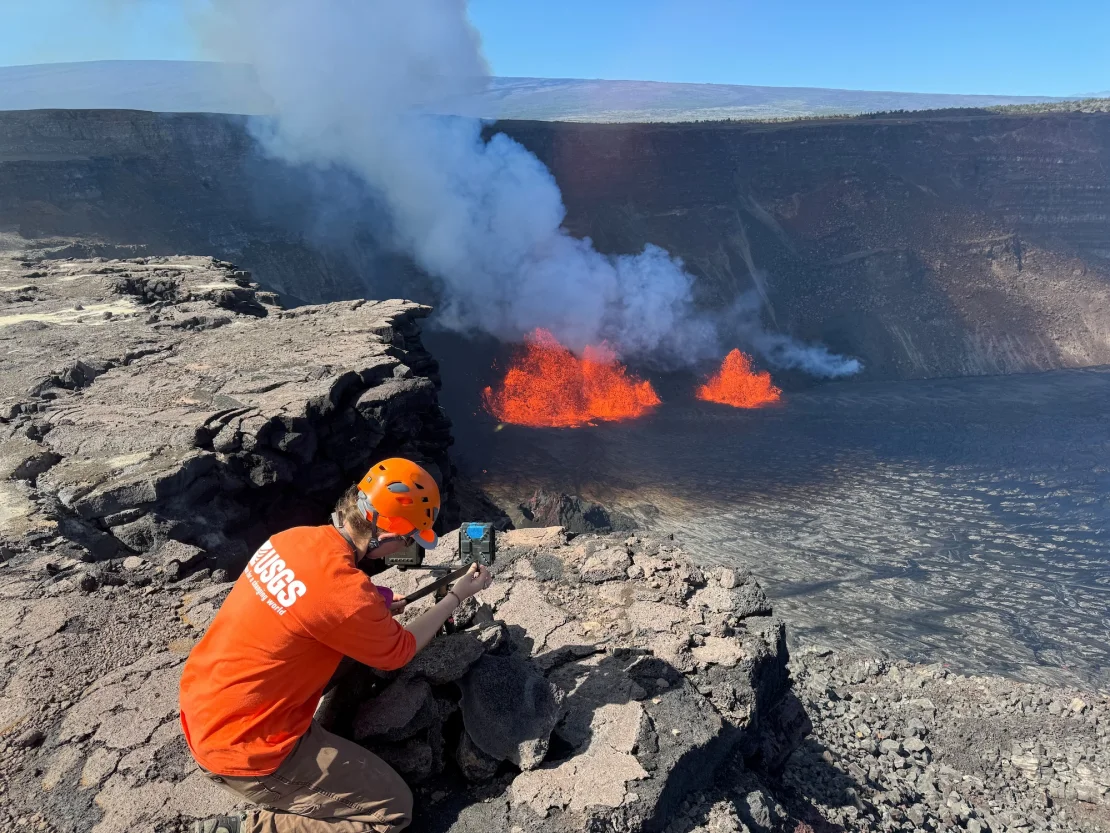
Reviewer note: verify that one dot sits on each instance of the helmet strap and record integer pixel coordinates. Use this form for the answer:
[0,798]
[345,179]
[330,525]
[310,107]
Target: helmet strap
[342,530]
[371,514]
[374,541]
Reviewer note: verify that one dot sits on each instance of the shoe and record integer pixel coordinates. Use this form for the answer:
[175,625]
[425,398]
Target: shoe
[219,824]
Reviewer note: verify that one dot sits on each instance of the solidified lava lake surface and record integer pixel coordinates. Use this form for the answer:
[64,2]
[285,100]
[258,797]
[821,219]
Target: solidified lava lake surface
[958,520]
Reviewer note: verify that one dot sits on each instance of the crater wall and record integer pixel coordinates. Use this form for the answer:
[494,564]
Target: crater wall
[928,245]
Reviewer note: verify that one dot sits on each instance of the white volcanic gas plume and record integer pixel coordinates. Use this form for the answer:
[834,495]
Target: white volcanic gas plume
[349,79]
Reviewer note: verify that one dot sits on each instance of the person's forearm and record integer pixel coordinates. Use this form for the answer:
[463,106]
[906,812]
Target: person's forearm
[425,626]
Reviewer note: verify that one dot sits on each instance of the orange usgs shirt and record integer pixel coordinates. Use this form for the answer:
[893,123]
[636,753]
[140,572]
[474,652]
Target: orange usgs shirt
[251,685]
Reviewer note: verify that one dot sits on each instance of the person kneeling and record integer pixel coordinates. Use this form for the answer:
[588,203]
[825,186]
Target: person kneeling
[250,687]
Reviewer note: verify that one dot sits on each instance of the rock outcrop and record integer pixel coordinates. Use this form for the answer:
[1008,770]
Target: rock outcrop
[595,684]
[571,512]
[167,408]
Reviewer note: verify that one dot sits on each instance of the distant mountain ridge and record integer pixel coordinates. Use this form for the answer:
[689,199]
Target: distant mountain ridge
[568,99]
[161,86]
[197,86]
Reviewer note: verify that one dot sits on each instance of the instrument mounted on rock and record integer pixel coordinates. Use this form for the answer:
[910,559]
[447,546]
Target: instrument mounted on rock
[477,545]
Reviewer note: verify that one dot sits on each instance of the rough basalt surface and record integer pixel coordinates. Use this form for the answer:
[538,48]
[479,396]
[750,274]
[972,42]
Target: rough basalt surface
[596,683]
[898,746]
[159,418]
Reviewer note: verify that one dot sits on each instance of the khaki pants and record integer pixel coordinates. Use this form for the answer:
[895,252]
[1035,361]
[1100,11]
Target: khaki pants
[326,785]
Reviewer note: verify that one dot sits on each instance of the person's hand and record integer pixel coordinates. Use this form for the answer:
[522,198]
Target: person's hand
[476,580]
[398,606]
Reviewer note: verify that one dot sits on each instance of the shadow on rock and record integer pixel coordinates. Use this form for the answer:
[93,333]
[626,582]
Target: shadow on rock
[746,797]
[632,740]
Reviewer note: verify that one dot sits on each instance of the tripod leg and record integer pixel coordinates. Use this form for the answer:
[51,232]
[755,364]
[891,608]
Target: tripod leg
[449,625]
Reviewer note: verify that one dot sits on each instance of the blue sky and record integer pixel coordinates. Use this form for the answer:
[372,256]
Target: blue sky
[975,46]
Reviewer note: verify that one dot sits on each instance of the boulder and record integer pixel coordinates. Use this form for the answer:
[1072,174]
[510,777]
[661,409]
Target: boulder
[403,709]
[509,709]
[749,599]
[447,658]
[756,812]
[175,557]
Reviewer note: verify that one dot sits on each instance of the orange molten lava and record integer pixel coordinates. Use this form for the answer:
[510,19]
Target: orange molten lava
[737,385]
[548,386]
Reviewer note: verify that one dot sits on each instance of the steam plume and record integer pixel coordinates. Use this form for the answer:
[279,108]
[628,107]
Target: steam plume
[815,359]
[352,82]
[782,351]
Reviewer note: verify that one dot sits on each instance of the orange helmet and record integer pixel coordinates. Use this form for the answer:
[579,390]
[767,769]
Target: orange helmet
[399,496]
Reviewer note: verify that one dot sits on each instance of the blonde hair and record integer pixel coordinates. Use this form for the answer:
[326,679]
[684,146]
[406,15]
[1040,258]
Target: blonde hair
[347,510]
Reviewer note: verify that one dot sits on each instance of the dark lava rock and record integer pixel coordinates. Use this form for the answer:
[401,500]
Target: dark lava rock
[176,557]
[509,709]
[412,759]
[405,708]
[475,764]
[755,812]
[750,600]
[447,658]
[573,513]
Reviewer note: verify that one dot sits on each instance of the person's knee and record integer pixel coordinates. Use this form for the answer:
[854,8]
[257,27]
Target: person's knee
[399,813]
[404,807]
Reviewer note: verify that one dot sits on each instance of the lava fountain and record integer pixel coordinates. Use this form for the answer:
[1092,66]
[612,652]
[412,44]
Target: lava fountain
[736,384]
[547,386]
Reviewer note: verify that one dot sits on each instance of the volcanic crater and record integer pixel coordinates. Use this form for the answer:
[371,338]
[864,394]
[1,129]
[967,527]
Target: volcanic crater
[946,505]
[899,509]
